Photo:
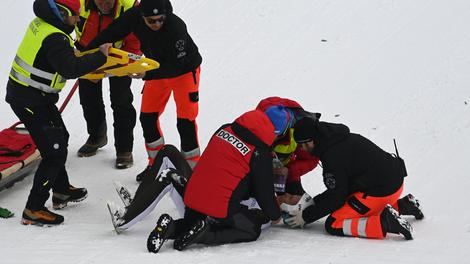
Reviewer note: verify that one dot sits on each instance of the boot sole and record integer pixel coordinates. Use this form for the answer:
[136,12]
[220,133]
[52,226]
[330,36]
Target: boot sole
[58,206]
[37,223]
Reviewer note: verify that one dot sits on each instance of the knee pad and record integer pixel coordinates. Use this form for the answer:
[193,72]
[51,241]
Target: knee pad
[149,123]
[330,229]
[188,134]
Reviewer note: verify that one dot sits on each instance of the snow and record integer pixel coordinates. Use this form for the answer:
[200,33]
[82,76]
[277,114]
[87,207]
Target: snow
[386,68]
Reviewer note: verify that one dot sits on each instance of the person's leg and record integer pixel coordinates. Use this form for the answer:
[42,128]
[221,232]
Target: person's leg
[123,112]
[360,216]
[152,189]
[243,226]
[91,99]
[186,95]
[51,140]
[154,99]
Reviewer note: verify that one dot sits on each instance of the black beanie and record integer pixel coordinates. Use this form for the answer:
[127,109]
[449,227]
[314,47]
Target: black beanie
[305,130]
[155,7]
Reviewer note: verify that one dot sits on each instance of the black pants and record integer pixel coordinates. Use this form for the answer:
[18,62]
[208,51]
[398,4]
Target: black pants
[242,226]
[91,99]
[48,132]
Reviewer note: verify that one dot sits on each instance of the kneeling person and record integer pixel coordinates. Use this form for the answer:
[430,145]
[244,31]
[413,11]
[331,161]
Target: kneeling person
[236,165]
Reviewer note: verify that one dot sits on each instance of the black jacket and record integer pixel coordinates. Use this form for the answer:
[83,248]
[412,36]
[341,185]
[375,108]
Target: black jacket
[351,163]
[55,55]
[171,46]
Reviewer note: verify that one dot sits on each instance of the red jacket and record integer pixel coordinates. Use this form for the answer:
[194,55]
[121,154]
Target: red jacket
[235,165]
[300,162]
[96,22]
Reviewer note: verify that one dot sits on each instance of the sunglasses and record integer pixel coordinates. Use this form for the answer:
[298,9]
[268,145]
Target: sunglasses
[155,20]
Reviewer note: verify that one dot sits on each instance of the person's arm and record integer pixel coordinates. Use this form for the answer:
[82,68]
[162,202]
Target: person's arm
[263,184]
[62,57]
[330,200]
[179,41]
[117,30]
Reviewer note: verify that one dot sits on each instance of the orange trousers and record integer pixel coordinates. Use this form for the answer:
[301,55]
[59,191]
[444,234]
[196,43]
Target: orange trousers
[360,215]
[156,93]
[185,90]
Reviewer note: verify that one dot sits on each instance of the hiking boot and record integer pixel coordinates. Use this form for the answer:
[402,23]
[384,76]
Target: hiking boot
[409,205]
[192,236]
[124,160]
[75,195]
[41,217]
[143,174]
[92,145]
[164,229]
[393,223]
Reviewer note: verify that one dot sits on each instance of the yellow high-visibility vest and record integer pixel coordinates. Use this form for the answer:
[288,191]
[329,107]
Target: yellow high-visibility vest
[23,65]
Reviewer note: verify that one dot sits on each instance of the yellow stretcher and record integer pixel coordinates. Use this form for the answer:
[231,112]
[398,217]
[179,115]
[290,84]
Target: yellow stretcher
[121,63]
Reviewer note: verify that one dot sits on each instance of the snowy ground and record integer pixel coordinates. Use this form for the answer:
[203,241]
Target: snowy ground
[386,68]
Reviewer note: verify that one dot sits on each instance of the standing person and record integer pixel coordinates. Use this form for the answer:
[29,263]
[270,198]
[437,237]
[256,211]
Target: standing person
[45,58]
[363,183]
[236,165]
[163,37]
[95,16]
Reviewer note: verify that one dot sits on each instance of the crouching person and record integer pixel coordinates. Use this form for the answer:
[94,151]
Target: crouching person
[363,182]
[236,165]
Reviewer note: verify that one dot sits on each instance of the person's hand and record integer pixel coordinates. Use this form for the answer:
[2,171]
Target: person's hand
[136,75]
[281,171]
[104,48]
[295,221]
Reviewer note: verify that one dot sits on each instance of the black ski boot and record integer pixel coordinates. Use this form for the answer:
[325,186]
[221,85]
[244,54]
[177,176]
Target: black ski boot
[409,205]
[143,174]
[177,179]
[92,145]
[164,229]
[192,236]
[75,195]
[393,223]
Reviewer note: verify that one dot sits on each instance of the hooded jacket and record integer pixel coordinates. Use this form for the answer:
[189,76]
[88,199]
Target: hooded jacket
[171,45]
[55,55]
[297,161]
[235,166]
[351,163]
[89,27]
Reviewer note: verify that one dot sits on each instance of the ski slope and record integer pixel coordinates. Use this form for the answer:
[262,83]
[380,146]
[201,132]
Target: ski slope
[386,68]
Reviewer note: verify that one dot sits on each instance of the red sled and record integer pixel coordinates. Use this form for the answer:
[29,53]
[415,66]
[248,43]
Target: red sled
[18,156]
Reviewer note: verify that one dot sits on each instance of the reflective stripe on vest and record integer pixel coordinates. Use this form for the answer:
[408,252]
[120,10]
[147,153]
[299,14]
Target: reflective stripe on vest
[22,69]
[122,6]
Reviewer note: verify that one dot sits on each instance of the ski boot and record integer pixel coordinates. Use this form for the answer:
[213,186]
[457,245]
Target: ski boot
[194,235]
[393,223]
[164,229]
[143,174]
[409,205]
